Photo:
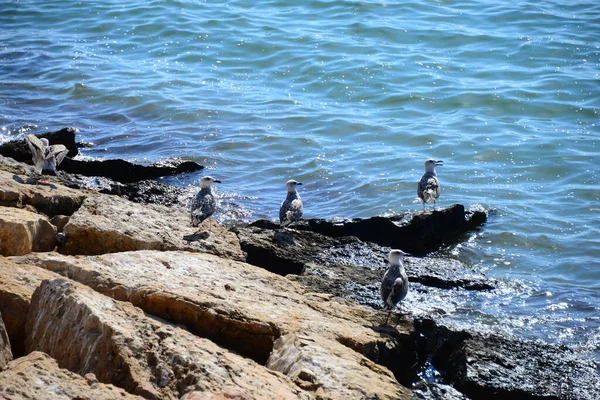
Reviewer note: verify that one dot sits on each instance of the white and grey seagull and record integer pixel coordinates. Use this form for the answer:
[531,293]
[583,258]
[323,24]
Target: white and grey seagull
[291,208]
[46,158]
[394,285]
[205,202]
[429,187]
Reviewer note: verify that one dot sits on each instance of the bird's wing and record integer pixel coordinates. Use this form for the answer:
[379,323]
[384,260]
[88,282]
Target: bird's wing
[433,186]
[35,144]
[208,205]
[59,152]
[399,290]
[283,209]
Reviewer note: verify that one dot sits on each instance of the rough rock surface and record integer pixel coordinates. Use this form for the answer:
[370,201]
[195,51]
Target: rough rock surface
[50,197]
[118,170]
[242,308]
[19,150]
[5,351]
[17,284]
[312,365]
[147,192]
[109,224]
[415,233]
[346,266]
[38,376]
[484,366]
[90,333]
[22,232]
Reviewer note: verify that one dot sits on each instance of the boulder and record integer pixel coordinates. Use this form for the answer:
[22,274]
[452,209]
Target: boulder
[117,170]
[90,333]
[346,266]
[19,150]
[5,351]
[59,221]
[48,197]
[416,233]
[485,366]
[22,232]
[17,284]
[309,363]
[38,376]
[245,309]
[109,224]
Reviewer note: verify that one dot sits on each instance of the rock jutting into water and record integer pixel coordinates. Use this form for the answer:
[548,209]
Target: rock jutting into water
[252,312]
[117,170]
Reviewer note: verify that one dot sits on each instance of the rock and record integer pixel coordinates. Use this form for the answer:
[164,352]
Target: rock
[90,333]
[117,170]
[50,198]
[59,221]
[5,351]
[309,363]
[347,266]
[415,233]
[437,391]
[22,232]
[243,308]
[147,192]
[109,224]
[497,367]
[17,283]
[19,151]
[38,376]
[126,172]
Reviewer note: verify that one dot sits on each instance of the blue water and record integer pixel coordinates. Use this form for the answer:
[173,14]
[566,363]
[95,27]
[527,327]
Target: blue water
[349,97]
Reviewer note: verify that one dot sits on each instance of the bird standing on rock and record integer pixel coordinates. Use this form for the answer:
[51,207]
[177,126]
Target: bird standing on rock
[45,157]
[394,285]
[429,187]
[291,209]
[205,203]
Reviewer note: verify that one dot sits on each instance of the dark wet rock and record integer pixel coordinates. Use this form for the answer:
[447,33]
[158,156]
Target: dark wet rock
[484,366]
[346,266]
[126,172]
[437,391]
[415,233]
[18,149]
[117,170]
[147,192]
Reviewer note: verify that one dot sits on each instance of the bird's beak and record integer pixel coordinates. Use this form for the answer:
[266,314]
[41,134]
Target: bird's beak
[299,183]
[216,181]
[439,163]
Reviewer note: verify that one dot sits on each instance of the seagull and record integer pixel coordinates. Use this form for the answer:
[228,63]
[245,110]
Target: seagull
[205,203]
[291,208]
[45,157]
[394,285]
[429,187]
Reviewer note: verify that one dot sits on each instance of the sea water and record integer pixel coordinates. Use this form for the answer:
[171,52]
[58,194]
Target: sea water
[350,98]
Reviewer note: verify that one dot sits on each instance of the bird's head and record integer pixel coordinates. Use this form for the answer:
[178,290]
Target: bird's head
[431,164]
[291,185]
[396,256]
[206,181]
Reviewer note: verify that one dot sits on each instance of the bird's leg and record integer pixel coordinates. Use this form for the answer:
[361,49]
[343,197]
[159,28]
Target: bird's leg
[433,205]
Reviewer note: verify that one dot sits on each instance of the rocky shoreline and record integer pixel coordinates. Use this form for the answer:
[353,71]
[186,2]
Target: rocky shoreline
[114,295]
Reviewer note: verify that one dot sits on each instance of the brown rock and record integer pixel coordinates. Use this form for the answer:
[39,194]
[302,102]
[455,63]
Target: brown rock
[49,197]
[38,376]
[59,221]
[17,283]
[109,224]
[325,367]
[90,333]
[192,289]
[5,351]
[22,232]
